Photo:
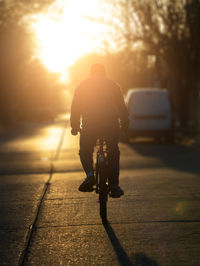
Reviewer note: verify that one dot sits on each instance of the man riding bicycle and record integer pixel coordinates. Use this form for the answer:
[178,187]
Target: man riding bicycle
[99,102]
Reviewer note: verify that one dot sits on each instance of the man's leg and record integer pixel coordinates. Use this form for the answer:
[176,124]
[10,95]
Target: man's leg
[112,139]
[87,142]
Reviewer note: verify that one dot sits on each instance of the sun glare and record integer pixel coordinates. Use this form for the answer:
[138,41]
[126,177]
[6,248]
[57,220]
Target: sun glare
[65,33]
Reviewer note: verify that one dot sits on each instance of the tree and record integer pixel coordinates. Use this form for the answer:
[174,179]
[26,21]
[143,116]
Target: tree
[15,51]
[192,8]
[12,12]
[168,32]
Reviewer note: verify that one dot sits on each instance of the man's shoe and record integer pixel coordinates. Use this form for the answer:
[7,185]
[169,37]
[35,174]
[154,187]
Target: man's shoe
[87,185]
[116,191]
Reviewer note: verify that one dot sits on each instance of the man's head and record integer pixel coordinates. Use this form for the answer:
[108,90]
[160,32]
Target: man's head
[97,70]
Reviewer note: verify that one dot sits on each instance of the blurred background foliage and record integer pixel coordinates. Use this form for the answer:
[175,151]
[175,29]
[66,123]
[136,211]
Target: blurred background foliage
[158,44]
[24,83]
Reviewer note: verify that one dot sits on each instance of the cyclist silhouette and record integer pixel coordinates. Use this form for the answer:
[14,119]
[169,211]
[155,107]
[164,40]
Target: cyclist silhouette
[98,106]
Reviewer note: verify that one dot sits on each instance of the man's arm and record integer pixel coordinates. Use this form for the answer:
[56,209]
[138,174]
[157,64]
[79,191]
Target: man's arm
[75,111]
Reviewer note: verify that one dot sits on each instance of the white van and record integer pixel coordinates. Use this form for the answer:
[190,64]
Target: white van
[150,113]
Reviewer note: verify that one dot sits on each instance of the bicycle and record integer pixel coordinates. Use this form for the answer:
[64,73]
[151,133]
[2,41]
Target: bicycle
[101,172]
[101,177]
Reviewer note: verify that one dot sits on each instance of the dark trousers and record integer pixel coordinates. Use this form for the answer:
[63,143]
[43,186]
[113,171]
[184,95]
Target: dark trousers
[88,140]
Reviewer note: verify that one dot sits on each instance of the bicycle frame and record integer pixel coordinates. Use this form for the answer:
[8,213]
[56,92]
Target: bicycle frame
[102,178]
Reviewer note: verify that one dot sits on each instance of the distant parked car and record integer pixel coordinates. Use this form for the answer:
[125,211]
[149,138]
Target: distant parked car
[150,113]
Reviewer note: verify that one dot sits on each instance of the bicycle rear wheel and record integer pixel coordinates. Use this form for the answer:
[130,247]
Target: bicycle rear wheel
[103,192]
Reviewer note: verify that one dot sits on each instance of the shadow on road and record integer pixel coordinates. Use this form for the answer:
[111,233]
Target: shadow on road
[19,132]
[140,259]
[27,130]
[136,259]
[176,156]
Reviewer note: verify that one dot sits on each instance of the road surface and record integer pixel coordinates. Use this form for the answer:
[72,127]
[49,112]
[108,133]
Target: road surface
[45,220]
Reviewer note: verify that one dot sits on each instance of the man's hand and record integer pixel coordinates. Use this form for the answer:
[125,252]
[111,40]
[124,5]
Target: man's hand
[74,131]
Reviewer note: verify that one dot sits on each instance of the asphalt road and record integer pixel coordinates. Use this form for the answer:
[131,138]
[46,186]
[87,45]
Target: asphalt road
[45,220]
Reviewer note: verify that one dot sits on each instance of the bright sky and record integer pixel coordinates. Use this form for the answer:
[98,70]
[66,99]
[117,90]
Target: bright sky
[65,33]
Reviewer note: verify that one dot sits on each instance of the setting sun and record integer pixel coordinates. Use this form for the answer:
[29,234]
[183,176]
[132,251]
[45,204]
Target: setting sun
[66,32]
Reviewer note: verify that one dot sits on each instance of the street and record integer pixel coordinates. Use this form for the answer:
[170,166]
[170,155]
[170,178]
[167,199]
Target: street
[45,220]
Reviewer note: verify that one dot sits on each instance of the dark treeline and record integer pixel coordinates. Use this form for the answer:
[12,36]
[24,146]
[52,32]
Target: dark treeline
[25,85]
[170,31]
[161,42]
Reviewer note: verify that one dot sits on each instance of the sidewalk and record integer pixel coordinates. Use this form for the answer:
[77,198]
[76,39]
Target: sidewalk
[24,170]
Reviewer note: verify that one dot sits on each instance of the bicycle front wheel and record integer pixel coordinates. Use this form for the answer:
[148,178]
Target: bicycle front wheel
[103,192]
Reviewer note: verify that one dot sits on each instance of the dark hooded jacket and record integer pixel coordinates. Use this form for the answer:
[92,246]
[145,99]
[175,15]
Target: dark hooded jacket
[98,103]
